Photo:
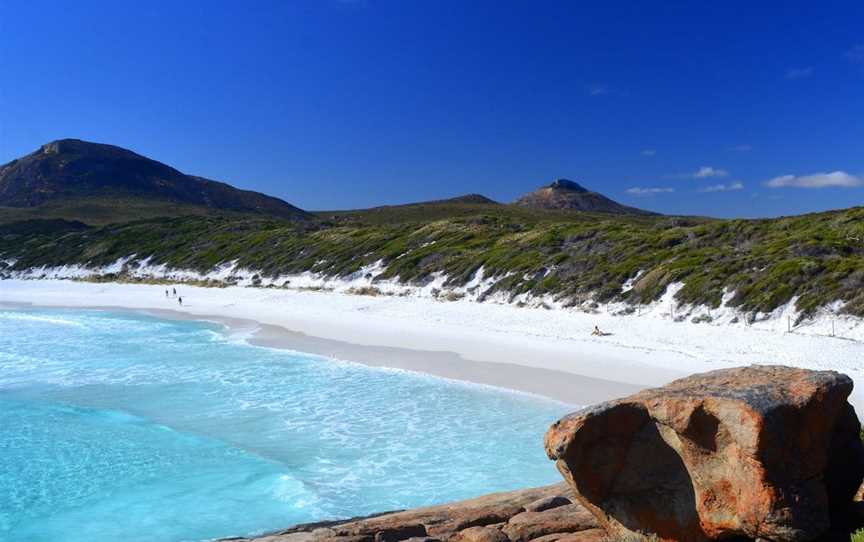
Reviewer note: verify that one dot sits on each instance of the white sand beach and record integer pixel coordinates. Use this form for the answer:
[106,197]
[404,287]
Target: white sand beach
[536,350]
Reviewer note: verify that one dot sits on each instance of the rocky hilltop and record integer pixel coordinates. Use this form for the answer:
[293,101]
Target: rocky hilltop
[765,453]
[73,170]
[564,194]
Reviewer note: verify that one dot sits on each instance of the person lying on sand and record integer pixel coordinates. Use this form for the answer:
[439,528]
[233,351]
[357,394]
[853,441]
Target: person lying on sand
[599,333]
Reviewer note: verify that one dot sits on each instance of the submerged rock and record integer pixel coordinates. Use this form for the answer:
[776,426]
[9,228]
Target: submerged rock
[763,452]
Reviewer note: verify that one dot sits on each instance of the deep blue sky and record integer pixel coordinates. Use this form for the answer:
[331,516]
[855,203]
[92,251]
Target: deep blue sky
[338,104]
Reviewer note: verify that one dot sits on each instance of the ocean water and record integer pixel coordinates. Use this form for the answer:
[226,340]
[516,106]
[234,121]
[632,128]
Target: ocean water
[120,426]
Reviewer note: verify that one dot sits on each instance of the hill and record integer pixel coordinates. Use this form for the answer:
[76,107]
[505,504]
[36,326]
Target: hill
[470,199]
[466,205]
[96,183]
[469,205]
[563,194]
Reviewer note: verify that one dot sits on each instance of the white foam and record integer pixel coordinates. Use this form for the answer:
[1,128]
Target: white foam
[23,316]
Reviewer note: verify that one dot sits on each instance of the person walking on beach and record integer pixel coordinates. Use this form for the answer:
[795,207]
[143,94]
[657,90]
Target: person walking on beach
[180,300]
[166,292]
[175,291]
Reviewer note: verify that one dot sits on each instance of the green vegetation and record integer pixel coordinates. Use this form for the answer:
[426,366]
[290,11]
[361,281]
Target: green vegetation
[577,257]
[101,211]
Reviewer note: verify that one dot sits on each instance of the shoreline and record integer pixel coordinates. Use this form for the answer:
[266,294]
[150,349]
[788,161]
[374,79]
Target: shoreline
[544,352]
[546,383]
[572,389]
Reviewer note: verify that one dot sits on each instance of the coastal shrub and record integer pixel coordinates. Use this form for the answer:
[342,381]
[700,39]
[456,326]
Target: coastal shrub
[315,288]
[814,258]
[652,284]
[364,290]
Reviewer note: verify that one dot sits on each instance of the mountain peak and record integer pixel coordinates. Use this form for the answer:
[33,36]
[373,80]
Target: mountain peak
[72,170]
[56,147]
[567,184]
[564,194]
[63,145]
[79,146]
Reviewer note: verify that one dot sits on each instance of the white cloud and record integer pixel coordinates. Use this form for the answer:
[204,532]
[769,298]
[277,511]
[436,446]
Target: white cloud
[742,148]
[704,172]
[799,73]
[707,172]
[817,180]
[736,185]
[649,152]
[601,89]
[639,191]
[856,54]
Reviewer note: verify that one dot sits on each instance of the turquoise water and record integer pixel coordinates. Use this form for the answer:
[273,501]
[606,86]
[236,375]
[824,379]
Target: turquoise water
[119,426]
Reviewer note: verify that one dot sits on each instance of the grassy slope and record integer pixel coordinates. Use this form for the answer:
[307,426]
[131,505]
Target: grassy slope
[817,257]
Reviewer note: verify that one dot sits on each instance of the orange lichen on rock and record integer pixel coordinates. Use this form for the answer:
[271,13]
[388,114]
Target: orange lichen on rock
[765,452]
